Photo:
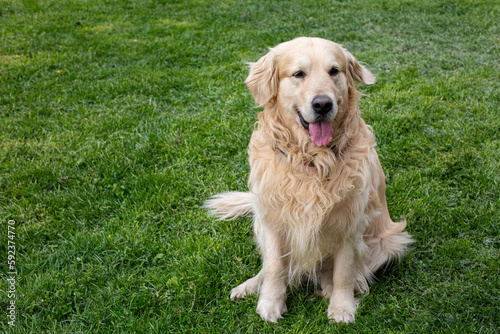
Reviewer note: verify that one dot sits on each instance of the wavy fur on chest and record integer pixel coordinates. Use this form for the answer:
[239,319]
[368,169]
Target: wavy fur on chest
[314,207]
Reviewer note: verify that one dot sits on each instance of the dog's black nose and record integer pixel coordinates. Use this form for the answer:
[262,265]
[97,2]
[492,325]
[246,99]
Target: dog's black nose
[322,104]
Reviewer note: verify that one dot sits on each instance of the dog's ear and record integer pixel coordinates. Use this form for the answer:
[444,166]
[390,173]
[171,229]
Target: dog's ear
[358,72]
[263,78]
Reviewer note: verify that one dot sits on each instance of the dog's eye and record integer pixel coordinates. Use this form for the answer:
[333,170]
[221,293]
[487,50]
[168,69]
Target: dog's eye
[334,71]
[299,74]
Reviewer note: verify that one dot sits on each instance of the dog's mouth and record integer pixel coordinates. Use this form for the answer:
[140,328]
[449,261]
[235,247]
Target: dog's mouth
[320,132]
[303,121]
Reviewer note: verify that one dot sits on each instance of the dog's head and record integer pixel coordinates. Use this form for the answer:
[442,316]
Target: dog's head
[309,79]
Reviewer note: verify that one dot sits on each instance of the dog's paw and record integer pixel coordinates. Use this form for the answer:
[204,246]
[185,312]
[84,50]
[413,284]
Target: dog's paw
[325,292]
[342,312]
[271,311]
[247,288]
[240,292]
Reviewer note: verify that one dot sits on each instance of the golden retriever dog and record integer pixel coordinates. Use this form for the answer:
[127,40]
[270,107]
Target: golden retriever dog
[317,189]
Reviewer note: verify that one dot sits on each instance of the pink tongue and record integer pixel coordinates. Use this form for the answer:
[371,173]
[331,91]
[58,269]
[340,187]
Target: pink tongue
[321,132]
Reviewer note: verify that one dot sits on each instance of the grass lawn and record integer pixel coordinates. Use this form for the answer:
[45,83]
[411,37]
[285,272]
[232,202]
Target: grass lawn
[119,118]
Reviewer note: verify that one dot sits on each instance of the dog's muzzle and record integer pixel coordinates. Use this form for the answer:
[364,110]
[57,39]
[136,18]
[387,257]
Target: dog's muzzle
[321,130]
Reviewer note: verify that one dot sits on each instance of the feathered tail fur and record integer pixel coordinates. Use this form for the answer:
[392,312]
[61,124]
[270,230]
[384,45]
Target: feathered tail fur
[230,205]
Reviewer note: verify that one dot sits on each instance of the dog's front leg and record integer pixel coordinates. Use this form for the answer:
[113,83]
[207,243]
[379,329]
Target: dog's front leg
[342,307]
[272,290]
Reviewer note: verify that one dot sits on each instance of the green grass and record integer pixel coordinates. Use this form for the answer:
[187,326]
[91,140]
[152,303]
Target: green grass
[118,118]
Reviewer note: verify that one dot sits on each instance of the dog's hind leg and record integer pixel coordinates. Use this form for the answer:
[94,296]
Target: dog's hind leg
[388,241]
[326,281]
[385,239]
[249,287]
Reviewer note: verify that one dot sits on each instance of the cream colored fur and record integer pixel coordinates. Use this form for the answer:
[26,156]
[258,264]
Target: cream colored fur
[329,222]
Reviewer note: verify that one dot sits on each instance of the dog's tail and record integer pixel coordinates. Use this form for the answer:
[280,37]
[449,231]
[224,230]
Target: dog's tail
[230,205]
